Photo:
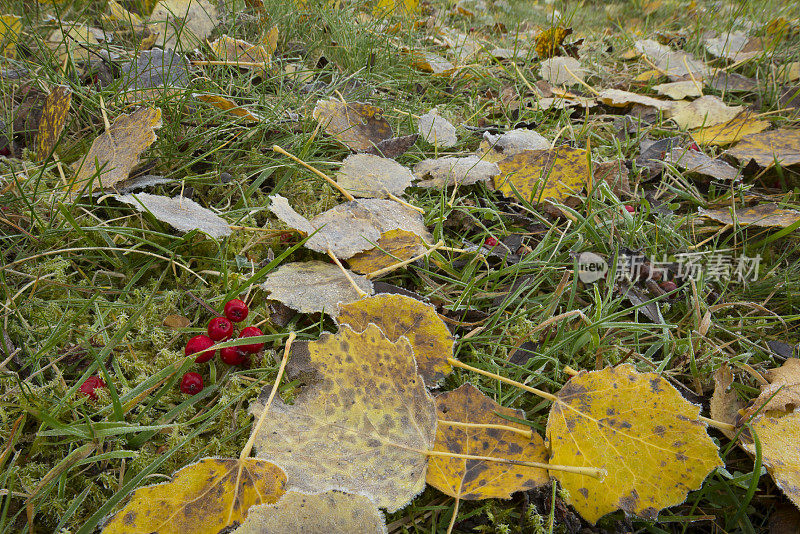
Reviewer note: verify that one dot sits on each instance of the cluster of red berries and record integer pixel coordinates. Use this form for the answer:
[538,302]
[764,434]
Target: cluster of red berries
[220,329]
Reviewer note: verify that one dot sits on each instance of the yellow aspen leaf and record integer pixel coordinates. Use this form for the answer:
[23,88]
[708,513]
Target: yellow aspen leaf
[199,498]
[679,90]
[539,175]
[641,430]
[705,111]
[766,215]
[116,13]
[724,134]
[270,40]
[549,41]
[725,405]
[363,424]
[332,512]
[367,175]
[227,106]
[477,479]
[620,99]
[54,114]
[115,152]
[357,125]
[183,24]
[393,246]
[776,147]
[314,286]
[239,53]
[780,449]
[400,316]
[401,8]
[75,41]
[782,393]
[10,28]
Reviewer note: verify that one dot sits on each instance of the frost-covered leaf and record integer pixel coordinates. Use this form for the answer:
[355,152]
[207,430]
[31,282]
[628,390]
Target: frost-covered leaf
[393,246]
[775,147]
[183,24]
[734,46]
[437,130]
[676,64]
[448,171]
[365,175]
[179,212]
[737,128]
[495,147]
[765,215]
[620,99]
[679,90]
[562,71]
[355,124]
[703,112]
[694,161]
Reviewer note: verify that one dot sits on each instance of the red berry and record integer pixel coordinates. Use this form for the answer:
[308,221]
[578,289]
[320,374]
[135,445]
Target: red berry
[191,383]
[251,331]
[90,384]
[233,355]
[668,286]
[695,147]
[220,329]
[491,242]
[199,344]
[629,208]
[236,310]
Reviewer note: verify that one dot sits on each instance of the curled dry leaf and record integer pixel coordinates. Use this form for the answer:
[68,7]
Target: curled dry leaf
[115,152]
[725,404]
[496,147]
[401,316]
[362,425]
[550,40]
[355,124]
[680,90]
[199,498]
[365,175]
[54,114]
[448,171]
[620,99]
[781,394]
[476,479]
[183,24]
[394,246]
[776,147]
[780,449]
[703,112]
[764,215]
[724,134]
[179,212]
[539,175]
[641,430]
[314,286]
[437,130]
[227,106]
[332,512]
[393,147]
[697,162]
[562,71]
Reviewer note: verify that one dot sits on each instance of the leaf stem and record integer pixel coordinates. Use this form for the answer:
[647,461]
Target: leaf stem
[316,171]
[361,292]
[717,424]
[521,431]
[520,385]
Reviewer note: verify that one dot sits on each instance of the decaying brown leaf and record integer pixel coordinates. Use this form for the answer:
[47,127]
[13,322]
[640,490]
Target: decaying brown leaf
[476,479]
[697,162]
[314,287]
[549,41]
[199,498]
[362,425]
[355,124]
[764,215]
[725,404]
[332,512]
[401,316]
[115,152]
[776,147]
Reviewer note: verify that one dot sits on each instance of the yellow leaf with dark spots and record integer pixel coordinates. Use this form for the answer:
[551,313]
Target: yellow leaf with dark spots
[394,246]
[639,429]
[199,498]
[227,106]
[539,175]
[776,147]
[478,479]
[10,27]
[766,215]
[780,449]
[549,41]
[51,124]
[730,132]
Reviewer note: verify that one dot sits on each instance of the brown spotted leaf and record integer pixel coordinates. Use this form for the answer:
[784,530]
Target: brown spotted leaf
[54,114]
[199,498]
[401,316]
[764,215]
[362,425]
[355,124]
[639,429]
[776,147]
[549,41]
[332,512]
[115,152]
[10,27]
[780,449]
[477,479]
[725,404]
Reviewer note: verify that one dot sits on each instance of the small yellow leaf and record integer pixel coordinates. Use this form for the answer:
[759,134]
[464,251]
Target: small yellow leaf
[679,90]
[355,124]
[332,512]
[118,14]
[705,111]
[640,429]
[54,113]
[620,99]
[75,41]
[549,41]
[402,8]
[476,479]
[115,152]
[393,246]
[540,175]
[764,215]
[648,75]
[780,449]
[228,106]
[776,147]
[400,316]
[730,132]
[362,425]
[10,28]
[199,498]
